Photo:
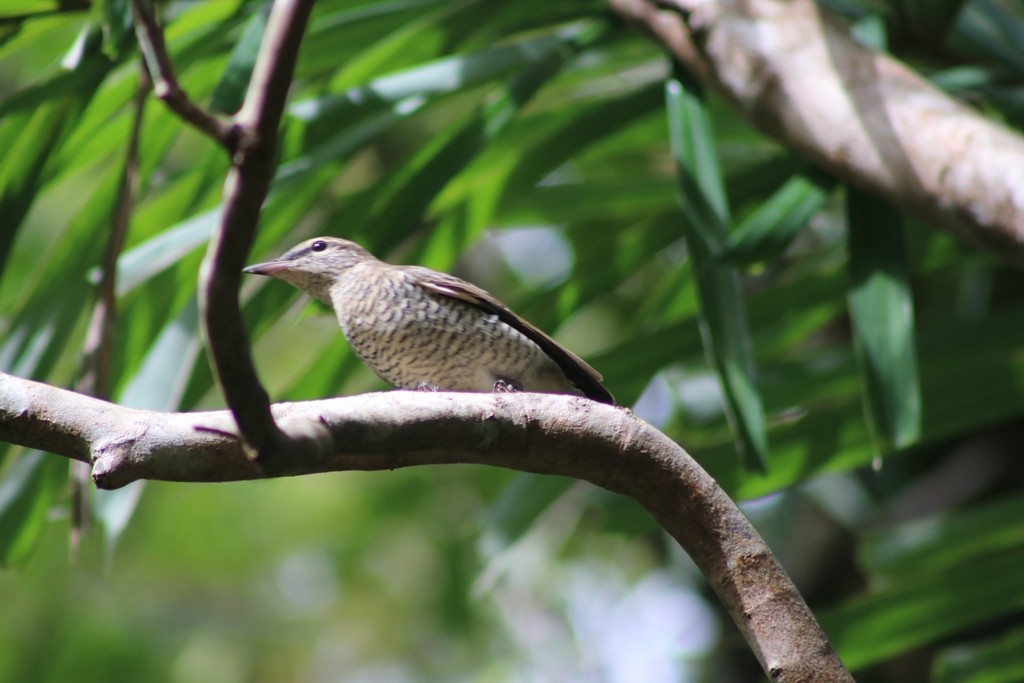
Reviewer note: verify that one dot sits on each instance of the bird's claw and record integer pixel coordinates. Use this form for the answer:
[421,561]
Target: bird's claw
[504,386]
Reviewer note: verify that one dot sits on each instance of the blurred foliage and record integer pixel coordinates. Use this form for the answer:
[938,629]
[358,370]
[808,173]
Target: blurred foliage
[525,146]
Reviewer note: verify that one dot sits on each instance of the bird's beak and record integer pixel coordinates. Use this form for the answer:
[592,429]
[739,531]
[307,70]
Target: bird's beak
[270,268]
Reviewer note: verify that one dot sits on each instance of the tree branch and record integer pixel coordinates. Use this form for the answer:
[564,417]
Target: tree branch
[245,190]
[542,433]
[866,118]
[251,139]
[165,82]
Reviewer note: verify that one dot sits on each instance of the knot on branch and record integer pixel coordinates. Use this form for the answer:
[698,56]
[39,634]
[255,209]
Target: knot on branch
[247,147]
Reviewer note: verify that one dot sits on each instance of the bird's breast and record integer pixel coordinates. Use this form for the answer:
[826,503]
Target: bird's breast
[411,336]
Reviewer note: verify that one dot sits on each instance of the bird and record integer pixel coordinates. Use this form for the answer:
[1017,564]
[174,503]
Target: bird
[418,328]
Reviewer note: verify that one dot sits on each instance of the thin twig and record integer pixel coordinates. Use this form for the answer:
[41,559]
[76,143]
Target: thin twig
[165,82]
[99,338]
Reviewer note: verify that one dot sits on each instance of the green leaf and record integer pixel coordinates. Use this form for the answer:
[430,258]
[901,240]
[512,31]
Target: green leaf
[997,660]
[145,260]
[552,144]
[767,232]
[39,135]
[926,609]
[20,8]
[116,19]
[516,510]
[993,31]
[622,198]
[159,384]
[406,196]
[882,316]
[930,19]
[438,77]
[230,91]
[410,42]
[28,487]
[337,37]
[937,544]
[344,143]
[65,83]
[723,319]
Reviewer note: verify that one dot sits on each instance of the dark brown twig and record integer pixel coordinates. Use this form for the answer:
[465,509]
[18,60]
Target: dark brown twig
[165,82]
[251,139]
[245,190]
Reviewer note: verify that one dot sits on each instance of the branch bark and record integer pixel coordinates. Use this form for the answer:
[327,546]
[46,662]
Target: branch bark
[796,74]
[542,433]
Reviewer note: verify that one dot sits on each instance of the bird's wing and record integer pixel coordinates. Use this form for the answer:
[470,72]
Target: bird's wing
[586,378]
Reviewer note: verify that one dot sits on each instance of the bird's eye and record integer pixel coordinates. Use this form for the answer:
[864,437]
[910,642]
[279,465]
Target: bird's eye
[319,245]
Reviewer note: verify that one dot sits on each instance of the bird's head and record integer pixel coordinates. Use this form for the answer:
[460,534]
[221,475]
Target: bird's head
[314,265]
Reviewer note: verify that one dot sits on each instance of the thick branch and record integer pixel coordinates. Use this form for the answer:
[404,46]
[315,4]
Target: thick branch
[863,116]
[547,434]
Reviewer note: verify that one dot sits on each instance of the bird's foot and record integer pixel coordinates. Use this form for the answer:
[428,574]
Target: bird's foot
[424,386]
[505,386]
